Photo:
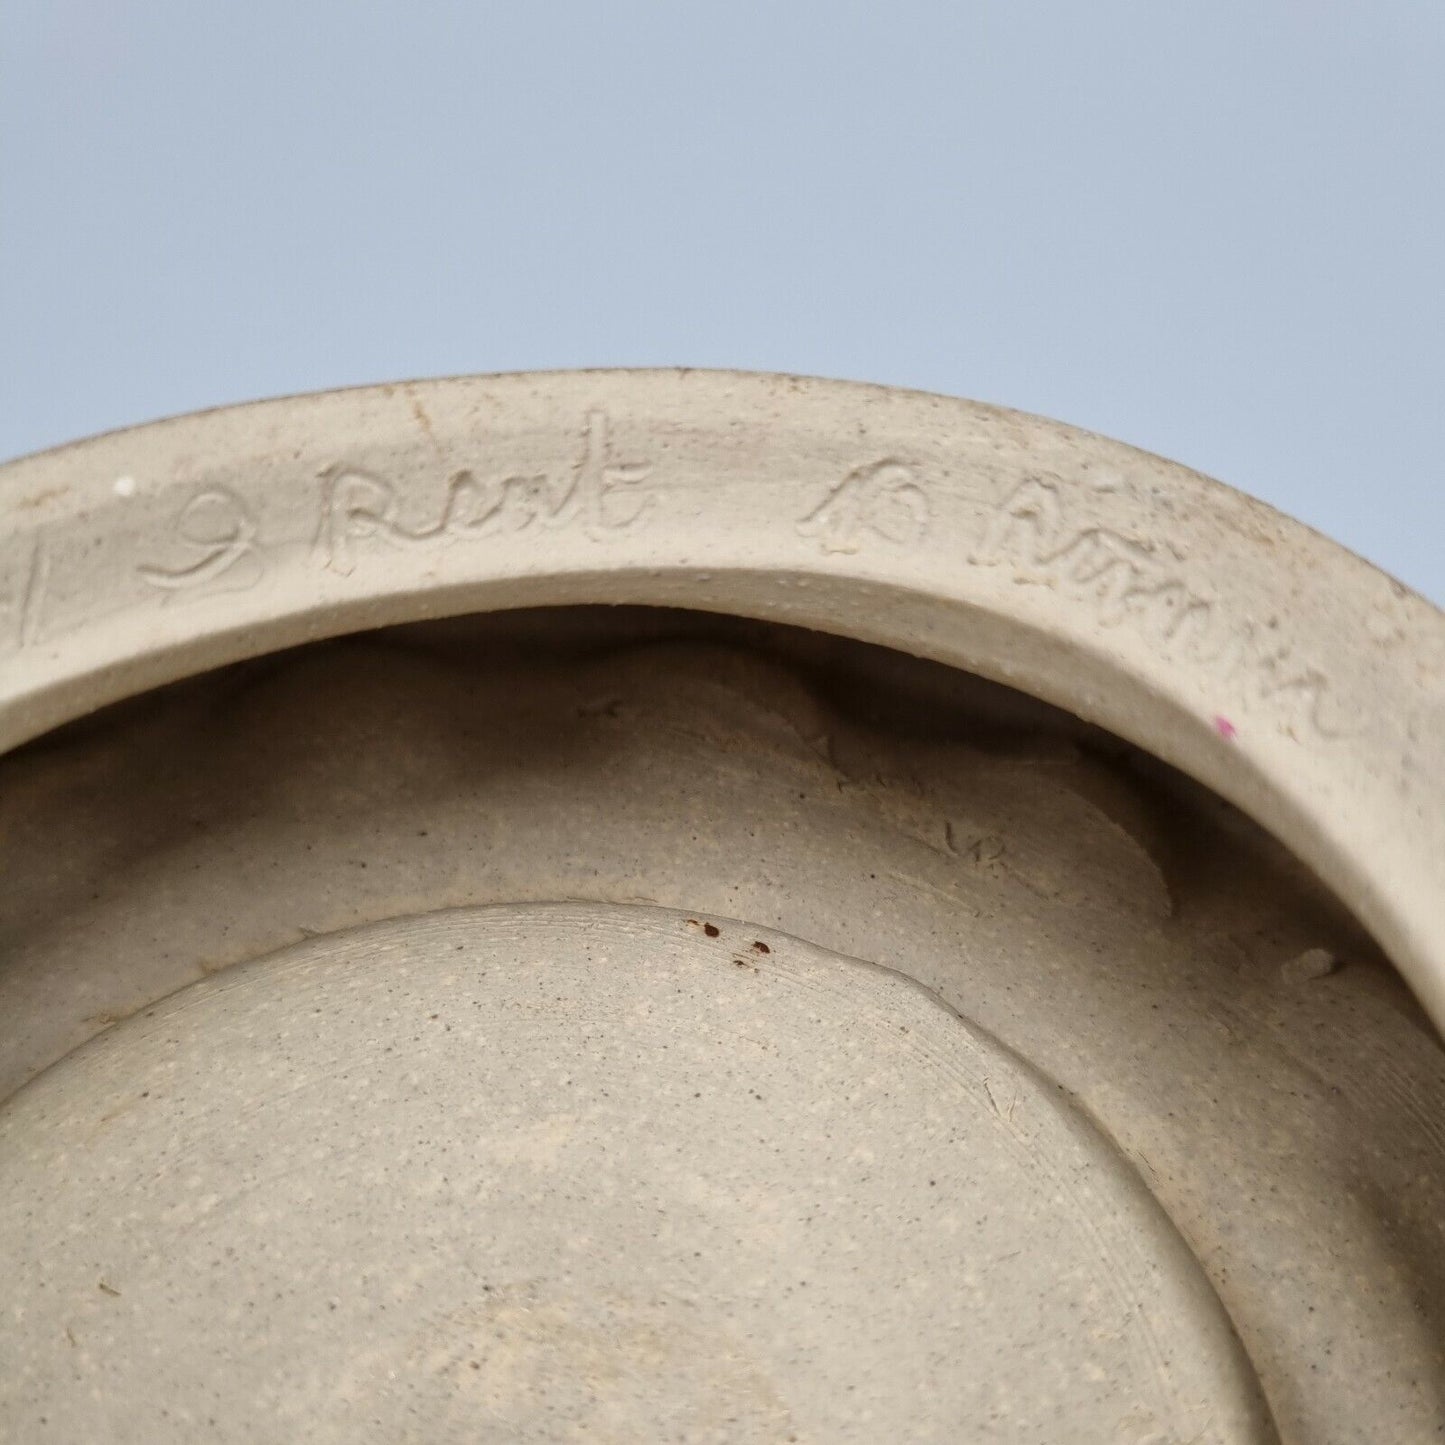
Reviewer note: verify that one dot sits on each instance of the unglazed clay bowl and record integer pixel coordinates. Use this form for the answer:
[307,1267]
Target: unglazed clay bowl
[703,907]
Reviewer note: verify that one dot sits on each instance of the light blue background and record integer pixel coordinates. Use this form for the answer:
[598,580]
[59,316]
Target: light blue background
[1216,230]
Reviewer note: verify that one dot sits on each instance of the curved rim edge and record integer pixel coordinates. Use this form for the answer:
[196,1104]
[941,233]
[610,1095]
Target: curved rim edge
[1265,661]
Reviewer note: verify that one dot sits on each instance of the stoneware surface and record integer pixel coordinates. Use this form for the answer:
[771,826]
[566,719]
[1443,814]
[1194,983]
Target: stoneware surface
[588,1172]
[618,1024]
[1291,677]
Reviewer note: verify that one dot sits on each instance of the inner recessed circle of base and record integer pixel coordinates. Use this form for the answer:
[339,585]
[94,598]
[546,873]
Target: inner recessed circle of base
[566,1172]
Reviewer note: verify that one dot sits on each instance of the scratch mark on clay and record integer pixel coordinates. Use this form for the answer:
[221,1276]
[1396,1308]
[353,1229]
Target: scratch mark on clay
[424,422]
[1006,1114]
[39,499]
[33,596]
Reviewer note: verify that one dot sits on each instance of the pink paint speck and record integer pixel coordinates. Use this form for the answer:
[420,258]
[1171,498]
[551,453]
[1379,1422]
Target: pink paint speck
[1225,728]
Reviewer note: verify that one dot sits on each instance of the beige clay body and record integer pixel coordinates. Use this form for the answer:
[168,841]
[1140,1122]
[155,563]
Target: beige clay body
[621,1024]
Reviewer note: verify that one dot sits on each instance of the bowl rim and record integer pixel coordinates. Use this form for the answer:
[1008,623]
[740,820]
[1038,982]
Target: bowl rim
[1269,663]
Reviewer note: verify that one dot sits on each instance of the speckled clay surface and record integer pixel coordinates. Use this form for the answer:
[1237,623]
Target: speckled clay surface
[1270,664]
[605,1173]
[620,1025]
